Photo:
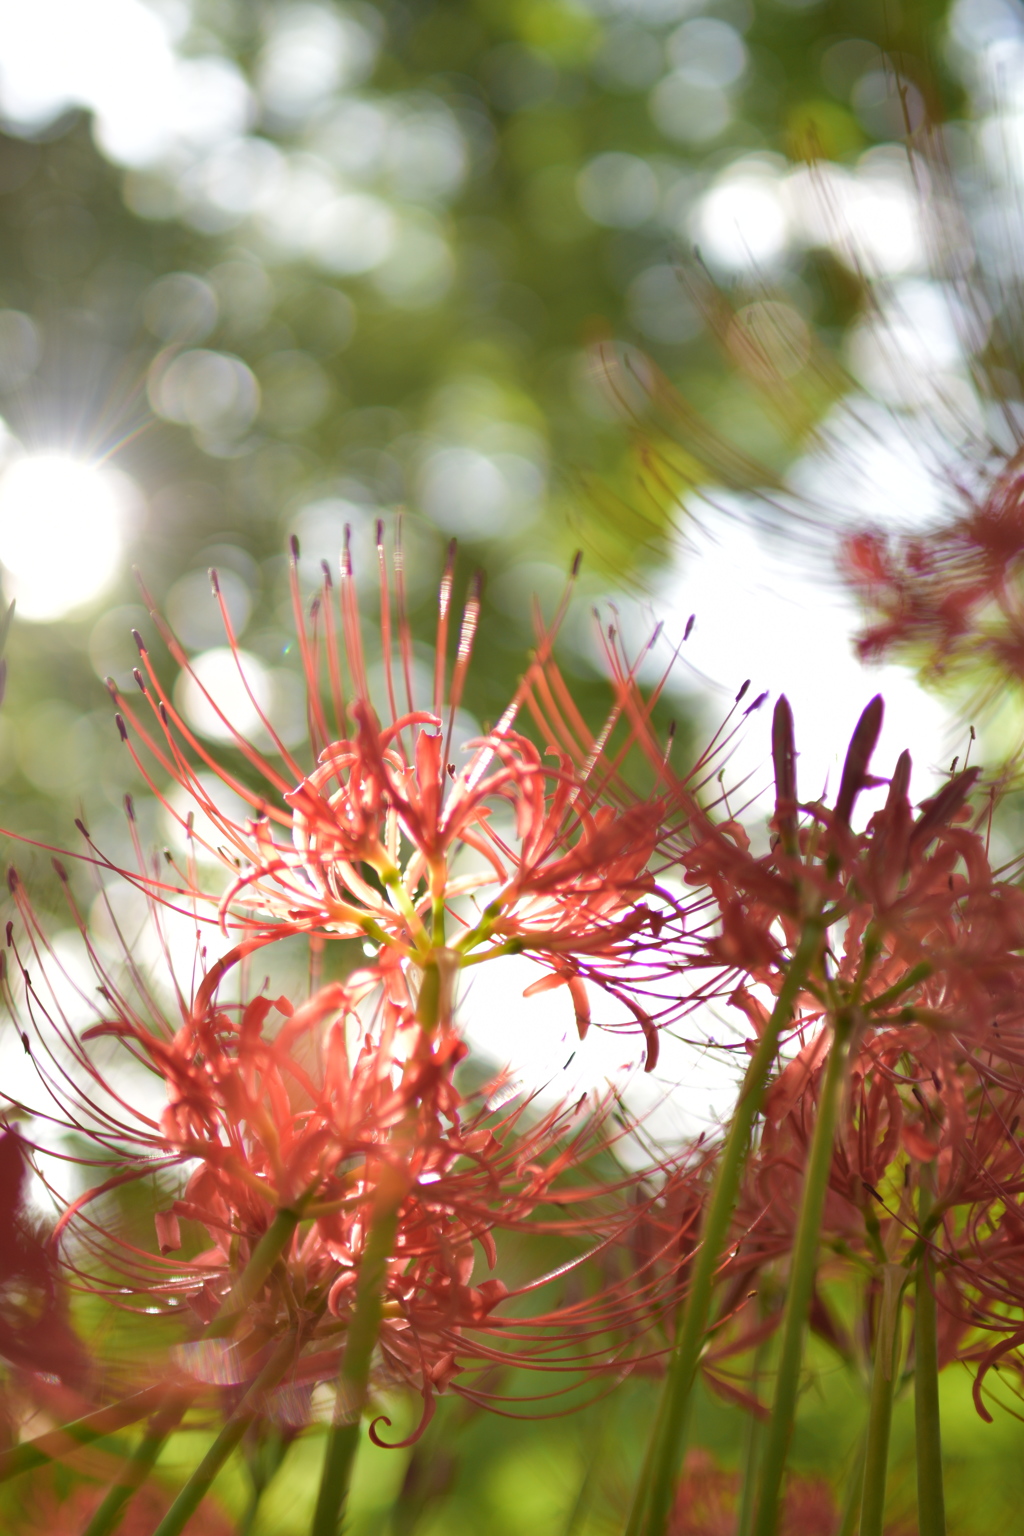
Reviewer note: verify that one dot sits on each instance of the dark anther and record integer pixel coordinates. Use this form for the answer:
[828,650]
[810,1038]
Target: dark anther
[577,561]
[139,678]
[59,870]
[743,689]
[129,807]
[121,727]
[138,641]
[294,546]
[81,826]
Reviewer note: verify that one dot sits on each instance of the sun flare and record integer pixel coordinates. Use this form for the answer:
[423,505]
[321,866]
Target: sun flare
[62,523]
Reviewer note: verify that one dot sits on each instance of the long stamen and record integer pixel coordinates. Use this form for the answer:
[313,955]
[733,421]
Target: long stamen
[444,601]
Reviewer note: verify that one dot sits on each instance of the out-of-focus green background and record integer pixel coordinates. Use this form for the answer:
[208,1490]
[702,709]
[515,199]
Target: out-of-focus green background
[287,266]
[272,268]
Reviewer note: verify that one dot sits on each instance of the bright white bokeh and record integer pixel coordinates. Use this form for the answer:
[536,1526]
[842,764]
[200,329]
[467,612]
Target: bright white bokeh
[536,1040]
[224,693]
[117,59]
[759,208]
[743,222]
[62,528]
[916,345]
[181,121]
[761,614]
[311,51]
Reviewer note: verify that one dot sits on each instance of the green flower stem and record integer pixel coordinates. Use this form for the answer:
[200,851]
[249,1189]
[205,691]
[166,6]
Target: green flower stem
[641,1498]
[197,1487]
[854,1488]
[752,1446]
[801,1284]
[931,1504]
[58,1443]
[138,1466]
[883,1382]
[653,1499]
[269,1459]
[264,1256]
[354,1376]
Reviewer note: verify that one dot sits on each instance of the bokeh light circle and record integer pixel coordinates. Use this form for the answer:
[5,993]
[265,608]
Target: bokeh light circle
[62,522]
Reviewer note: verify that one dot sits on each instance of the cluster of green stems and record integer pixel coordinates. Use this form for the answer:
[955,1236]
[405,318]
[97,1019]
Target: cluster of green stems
[768,1447]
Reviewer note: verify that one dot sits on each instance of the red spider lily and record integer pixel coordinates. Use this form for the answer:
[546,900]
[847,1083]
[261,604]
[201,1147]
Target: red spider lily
[63,1511]
[927,969]
[949,595]
[708,1498]
[35,1333]
[929,932]
[920,1104]
[314,1110]
[372,842]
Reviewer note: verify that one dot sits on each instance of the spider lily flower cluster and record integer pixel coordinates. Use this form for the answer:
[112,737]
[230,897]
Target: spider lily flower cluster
[885,1156]
[348,1188]
[337,1193]
[294,1116]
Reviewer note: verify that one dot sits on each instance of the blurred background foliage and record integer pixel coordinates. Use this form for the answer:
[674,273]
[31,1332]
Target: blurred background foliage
[287,266]
[274,268]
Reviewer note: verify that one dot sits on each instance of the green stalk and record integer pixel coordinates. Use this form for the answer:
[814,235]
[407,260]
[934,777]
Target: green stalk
[854,1488]
[653,1499]
[931,1505]
[641,1498]
[262,1470]
[883,1382]
[752,1447]
[137,1467]
[198,1485]
[354,1376]
[801,1284]
[584,1500]
[58,1443]
[264,1256]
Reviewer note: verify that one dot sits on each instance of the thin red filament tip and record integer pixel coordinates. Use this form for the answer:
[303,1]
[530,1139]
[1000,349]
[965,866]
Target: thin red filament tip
[444,601]
[463,654]
[401,609]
